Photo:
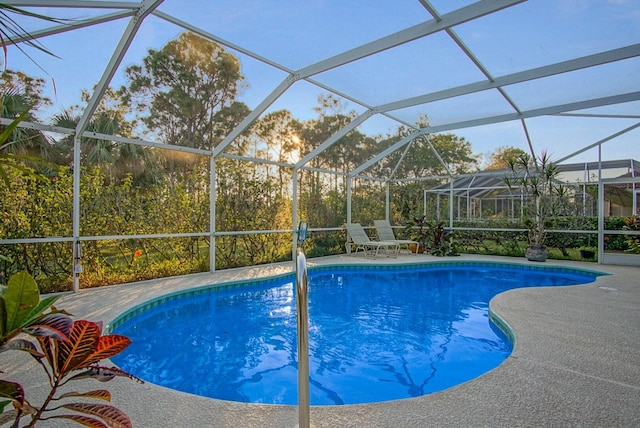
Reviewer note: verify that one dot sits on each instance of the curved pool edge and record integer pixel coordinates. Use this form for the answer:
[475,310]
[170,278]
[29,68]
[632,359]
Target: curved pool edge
[499,322]
[494,318]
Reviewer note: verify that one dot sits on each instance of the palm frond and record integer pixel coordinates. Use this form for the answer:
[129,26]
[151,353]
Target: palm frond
[12,33]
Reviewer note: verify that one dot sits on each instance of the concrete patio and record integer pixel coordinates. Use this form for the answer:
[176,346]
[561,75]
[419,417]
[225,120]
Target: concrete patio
[576,362]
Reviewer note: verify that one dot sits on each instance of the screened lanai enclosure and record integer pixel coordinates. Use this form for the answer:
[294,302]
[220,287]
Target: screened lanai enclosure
[158,138]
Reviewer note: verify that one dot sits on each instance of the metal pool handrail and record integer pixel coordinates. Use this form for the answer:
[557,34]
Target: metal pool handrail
[302,306]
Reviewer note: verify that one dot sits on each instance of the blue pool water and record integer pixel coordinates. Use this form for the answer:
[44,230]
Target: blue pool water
[376,333]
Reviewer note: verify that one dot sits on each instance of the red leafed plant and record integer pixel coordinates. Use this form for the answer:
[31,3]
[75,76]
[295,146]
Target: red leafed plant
[68,350]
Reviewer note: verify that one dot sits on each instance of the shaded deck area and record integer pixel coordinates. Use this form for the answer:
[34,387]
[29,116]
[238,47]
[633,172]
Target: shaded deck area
[576,361]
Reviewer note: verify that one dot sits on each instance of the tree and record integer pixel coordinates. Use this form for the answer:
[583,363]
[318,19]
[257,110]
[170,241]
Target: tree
[278,133]
[182,89]
[22,94]
[31,88]
[322,200]
[422,161]
[536,178]
[503,157]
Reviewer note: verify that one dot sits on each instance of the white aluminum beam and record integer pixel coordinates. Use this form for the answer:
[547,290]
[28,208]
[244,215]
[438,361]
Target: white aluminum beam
[532,152]
[267,61]
[522,76]
[86,4]
[144,9]
[456,17]
[459,16]
[223,42]
[395,168]
[213,196]
[397,146]
[106,137]
[603,116]
[555,109]
[465,49]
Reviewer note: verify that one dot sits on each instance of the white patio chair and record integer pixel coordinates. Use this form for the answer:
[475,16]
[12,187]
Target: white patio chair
[385,233]
[359,239]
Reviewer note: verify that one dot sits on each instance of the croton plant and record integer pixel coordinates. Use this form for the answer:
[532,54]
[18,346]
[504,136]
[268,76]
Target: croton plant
[67,350]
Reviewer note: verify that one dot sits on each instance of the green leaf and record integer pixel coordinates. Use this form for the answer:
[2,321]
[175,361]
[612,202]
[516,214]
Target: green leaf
[6,133]
[21,297]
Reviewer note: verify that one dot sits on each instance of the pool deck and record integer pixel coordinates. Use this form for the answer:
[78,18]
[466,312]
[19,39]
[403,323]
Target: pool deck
[576,362]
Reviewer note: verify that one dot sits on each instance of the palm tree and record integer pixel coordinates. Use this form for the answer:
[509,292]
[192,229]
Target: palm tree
[22,141]
[24,150]
[116,160]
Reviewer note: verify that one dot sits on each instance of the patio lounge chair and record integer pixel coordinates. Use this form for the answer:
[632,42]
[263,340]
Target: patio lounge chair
[359,239]
[385,233]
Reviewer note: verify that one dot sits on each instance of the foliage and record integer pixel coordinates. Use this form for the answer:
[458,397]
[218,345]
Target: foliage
[63,348]
[454,155]
[115,160]
[12,160]
[568,244]
[536,178]
[614,242]
[22,92]
[434,238]
[564,241]
[633,241]
[419,230]
[502,157]
[324,243]
[36,209]
[22,150]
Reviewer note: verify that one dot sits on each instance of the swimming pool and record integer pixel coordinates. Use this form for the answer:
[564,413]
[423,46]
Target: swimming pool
[376,333]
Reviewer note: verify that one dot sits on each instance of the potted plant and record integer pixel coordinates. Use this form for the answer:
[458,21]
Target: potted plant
[543,196]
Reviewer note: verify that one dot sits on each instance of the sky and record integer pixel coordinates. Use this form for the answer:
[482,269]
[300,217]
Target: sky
[296,34]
